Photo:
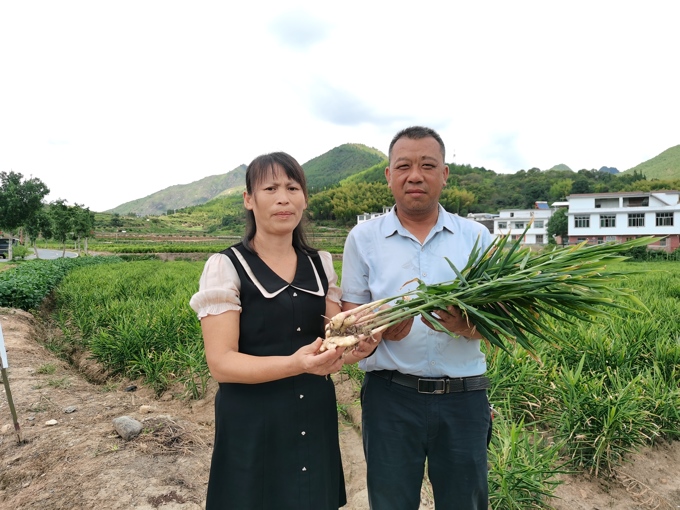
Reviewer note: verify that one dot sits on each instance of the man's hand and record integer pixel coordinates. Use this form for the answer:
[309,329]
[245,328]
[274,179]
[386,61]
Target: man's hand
[366,346]
[398,331]
[454,320]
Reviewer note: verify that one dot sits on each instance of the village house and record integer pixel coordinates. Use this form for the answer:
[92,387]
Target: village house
[515,221]
[485,219]
[369,216]
[619,217]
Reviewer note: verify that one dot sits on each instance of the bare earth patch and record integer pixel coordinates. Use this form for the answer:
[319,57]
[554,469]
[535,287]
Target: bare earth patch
[81,462]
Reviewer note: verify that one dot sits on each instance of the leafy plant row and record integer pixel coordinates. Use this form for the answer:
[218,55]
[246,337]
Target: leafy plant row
[26,285]
[334,245]
[611,388]
[136,320]
[608,389]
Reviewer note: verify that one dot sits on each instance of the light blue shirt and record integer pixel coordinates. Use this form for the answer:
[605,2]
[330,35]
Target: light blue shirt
[380,257]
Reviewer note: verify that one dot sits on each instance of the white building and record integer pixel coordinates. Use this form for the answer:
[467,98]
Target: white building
[619,217]
[485,219]
[516,220]
[369,216]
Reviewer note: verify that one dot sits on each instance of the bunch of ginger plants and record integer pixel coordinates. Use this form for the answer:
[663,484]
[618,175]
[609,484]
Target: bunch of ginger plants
[506,291]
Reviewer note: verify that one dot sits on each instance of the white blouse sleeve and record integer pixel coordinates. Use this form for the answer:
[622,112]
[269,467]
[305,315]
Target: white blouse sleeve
[334,292]
[218,288]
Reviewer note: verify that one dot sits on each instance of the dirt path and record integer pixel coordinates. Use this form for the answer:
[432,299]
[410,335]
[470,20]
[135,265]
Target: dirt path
[81,462]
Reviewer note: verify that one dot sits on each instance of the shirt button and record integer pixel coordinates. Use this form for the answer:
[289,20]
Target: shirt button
[424,274]
[302,396]
[294,294]
[432,363]
[304,433]
[298,329]
[304,469]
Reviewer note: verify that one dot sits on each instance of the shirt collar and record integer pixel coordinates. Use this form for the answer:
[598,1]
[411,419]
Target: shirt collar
[270,284]
[392,225]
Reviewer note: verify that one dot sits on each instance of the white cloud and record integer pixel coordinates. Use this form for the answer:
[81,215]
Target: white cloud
[299,29]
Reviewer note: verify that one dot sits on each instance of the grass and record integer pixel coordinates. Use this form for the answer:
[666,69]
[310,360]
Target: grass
[61,382]
[524,465]
[47,368]
[610,388]
[135,319]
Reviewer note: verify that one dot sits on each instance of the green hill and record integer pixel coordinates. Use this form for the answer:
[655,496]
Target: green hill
[664,166]
[180,196]
[335,165]
[376,173]
[350,167]
[561,166]
[322,172]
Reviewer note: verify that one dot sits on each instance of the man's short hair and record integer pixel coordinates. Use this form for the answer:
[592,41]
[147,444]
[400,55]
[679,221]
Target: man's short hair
[416,133]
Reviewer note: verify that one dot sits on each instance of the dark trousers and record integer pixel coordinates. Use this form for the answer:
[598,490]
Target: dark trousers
[402,428]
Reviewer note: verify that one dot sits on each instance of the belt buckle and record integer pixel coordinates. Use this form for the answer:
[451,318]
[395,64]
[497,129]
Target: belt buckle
[442,386]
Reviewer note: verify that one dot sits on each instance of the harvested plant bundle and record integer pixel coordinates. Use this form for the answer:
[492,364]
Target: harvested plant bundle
[506,292]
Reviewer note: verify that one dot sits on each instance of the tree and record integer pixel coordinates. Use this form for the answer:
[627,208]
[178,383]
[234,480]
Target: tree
[19,200]
[558,225]
[38,224]
[116,221]
[82,223]
[457,201]
[560,190]
[533,191]
[62,222]
[345,202]
[626,179]
[581,185]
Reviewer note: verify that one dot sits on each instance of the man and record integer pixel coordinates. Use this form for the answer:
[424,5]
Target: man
[424,394]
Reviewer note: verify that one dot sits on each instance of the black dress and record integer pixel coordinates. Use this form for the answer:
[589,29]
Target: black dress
[276,443]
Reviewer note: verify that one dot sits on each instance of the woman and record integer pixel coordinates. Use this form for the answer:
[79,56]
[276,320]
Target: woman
[262,304]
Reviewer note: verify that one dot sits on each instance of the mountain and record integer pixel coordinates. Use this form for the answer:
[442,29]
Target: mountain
[561,166]
[348,163]
[609,170]
[322,172]
[338,163]
[664,166]
[376,173]
[184,195]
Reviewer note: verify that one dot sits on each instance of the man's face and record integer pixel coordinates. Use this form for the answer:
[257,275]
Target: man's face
[416,175]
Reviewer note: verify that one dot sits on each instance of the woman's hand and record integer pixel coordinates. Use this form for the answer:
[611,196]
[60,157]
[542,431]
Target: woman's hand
[312,362]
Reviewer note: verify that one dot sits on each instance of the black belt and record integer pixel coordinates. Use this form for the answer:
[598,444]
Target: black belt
[435,385]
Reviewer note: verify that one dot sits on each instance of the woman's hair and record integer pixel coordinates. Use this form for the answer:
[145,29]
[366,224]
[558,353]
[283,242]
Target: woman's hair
[259,169]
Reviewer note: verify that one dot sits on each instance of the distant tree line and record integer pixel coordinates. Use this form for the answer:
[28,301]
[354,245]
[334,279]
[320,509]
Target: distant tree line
[468,190]
[477,190]
[23,212]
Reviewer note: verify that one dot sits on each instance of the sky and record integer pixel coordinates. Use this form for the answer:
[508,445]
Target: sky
[110,101]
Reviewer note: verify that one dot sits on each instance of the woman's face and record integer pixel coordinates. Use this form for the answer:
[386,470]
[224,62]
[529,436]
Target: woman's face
[277,202]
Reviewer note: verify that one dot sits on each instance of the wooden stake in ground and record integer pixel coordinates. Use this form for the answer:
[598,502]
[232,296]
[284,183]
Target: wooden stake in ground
[4,365]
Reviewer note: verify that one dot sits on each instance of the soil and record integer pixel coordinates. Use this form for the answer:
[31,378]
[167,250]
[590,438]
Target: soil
[80,461]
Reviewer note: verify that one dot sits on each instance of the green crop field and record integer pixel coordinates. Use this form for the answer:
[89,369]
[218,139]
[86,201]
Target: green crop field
[608,389]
